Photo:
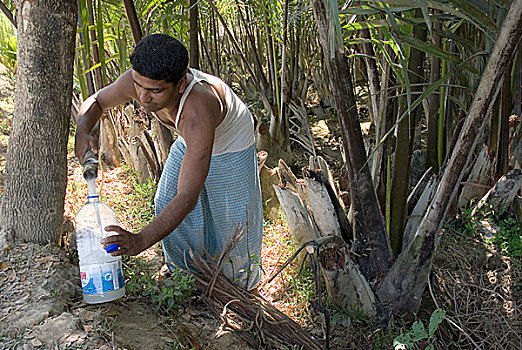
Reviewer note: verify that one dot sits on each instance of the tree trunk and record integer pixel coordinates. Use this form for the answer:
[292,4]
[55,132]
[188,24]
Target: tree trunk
[193,36]
[134,23]
[373,78]
[404,145]
[401,290]
[36,162]
[503,136]
[372,245]
[299,221]
[477,182]
[433,109]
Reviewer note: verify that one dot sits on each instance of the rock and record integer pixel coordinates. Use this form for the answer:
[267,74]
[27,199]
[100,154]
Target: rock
[27,318]
[64,282]
[57,329]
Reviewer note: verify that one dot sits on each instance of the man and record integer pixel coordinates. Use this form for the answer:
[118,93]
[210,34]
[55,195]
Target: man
[210,185]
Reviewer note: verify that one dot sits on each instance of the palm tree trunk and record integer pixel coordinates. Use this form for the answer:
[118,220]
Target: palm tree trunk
[401,291]
[193,34]
[372,246]
[433,108]
[501,167]
[7,13]
[134,23]
[372,72]
[404,146]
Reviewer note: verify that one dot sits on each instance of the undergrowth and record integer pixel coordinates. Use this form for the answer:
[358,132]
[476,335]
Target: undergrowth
[136,208]
[168,294]
[502,233]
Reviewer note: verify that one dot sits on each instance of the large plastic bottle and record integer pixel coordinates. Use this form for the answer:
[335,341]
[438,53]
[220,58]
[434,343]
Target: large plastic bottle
[100,273]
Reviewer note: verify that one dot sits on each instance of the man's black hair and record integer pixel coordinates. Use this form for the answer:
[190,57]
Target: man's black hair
[160,57]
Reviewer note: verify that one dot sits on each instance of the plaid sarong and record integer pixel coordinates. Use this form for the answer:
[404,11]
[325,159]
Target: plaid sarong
[230,196]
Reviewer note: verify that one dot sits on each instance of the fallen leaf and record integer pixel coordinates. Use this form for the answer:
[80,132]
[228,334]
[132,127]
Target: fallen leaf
[36,342]
[11,276]
[112,313]
[46,259]
[88,327]
[168,340]
[88,316]
[3,266]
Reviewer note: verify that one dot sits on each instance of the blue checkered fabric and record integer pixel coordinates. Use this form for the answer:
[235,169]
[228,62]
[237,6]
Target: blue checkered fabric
[230,196]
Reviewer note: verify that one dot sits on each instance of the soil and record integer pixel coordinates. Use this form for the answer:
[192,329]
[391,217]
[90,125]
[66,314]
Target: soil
[41,307]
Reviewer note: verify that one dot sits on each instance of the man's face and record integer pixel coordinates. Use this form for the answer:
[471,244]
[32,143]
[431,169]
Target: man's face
[155,95]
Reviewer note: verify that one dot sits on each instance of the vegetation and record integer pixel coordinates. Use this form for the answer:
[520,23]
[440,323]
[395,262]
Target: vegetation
[168,294]
[415,66]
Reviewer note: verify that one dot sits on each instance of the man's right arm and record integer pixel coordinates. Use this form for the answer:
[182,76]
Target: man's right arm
[121,91]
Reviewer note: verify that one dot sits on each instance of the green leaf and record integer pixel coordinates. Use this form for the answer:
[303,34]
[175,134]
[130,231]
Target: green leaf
[417,102]
[430,347]
[435,51]
[169,282]
[479,17]
[418,331]
[402,341]
[436,318]
[426,15]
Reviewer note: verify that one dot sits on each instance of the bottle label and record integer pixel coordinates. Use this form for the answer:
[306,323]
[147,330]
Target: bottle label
[101,278]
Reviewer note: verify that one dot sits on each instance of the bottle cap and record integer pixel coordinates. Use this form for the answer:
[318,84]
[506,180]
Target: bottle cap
[112,248]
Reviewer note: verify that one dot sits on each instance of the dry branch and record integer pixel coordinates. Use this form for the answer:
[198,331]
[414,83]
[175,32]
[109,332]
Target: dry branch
[260,324]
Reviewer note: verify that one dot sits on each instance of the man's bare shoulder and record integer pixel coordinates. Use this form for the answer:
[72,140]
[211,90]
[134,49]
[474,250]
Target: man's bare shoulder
[120,91]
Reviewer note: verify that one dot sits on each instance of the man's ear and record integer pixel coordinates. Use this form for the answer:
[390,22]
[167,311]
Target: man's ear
[182,84]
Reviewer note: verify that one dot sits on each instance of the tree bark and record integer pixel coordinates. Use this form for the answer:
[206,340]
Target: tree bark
[372,245]
[36,162]
[404,145]
[433,108]
[134,23]
[193,36]
[299,221]
[401,290]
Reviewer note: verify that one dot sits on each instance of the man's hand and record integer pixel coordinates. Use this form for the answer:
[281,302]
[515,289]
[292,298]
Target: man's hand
[129,243]
[83,143]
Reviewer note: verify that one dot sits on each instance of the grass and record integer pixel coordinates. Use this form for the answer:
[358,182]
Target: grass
[291,290]
[168,294]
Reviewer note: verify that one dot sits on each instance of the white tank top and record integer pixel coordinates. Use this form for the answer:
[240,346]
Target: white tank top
[236,131]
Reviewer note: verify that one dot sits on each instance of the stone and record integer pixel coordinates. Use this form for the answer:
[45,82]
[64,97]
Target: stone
[58,328]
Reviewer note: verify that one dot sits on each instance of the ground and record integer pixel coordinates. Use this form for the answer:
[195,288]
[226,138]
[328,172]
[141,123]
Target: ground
[41,306]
